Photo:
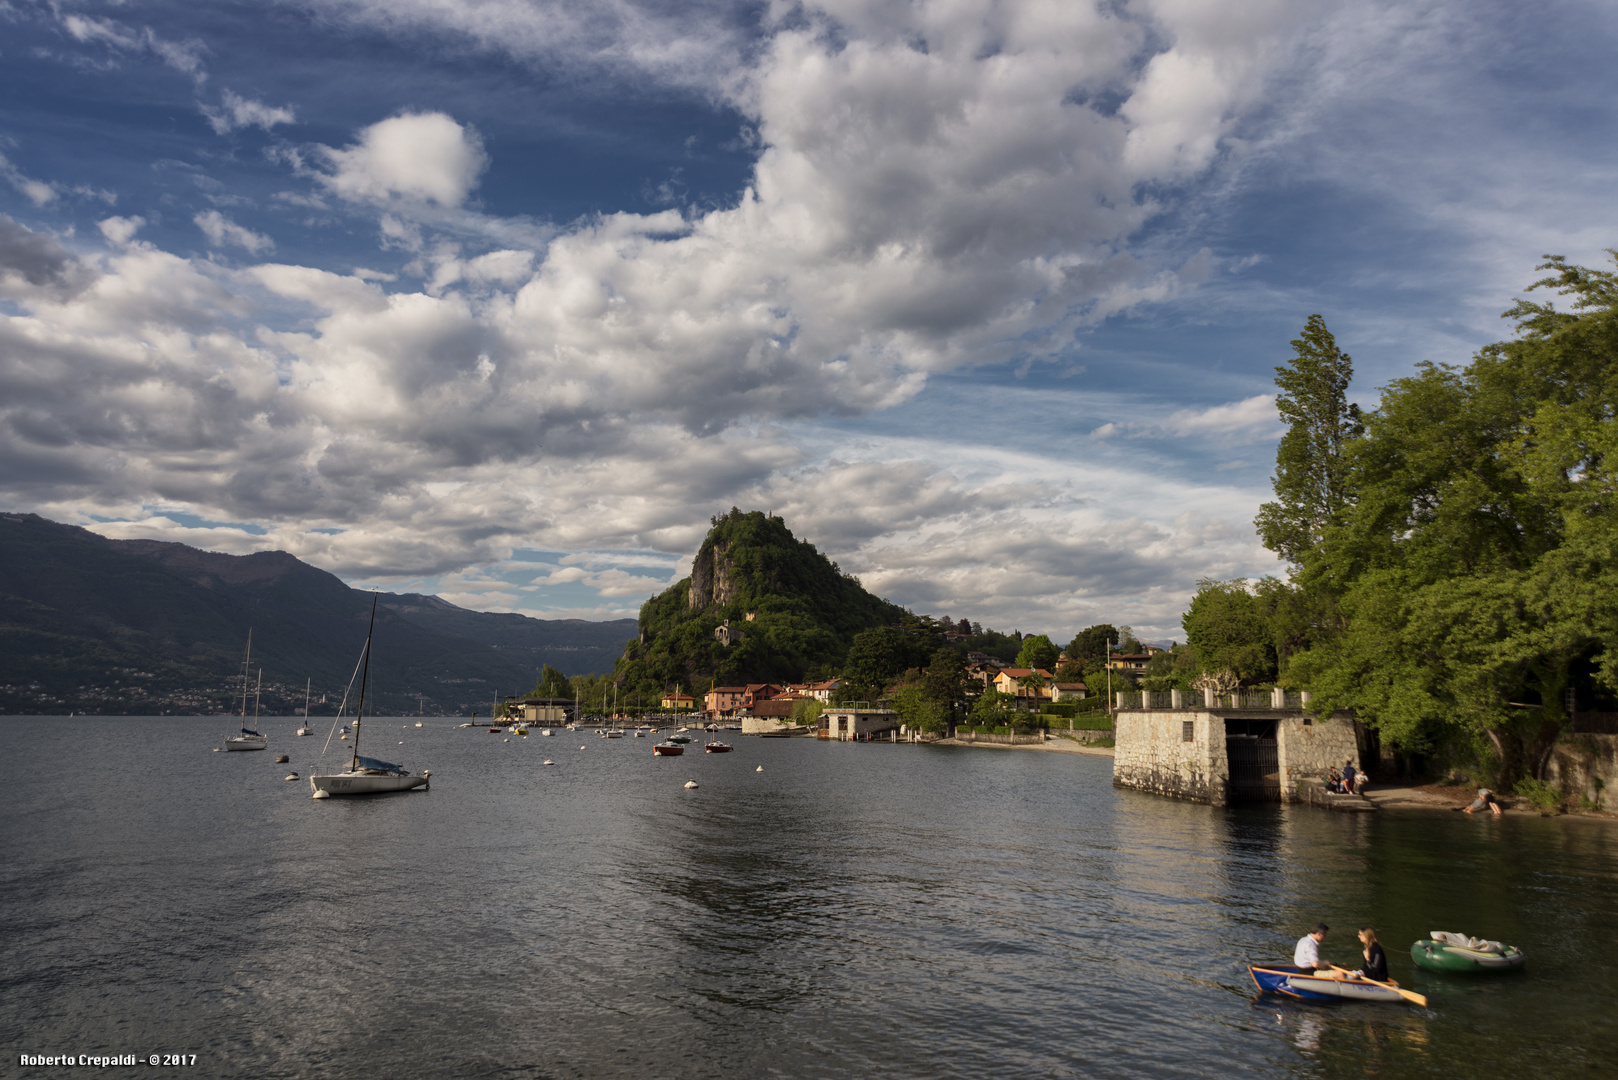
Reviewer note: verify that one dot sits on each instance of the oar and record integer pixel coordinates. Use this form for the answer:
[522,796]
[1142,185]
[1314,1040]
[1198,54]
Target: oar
[1409,995]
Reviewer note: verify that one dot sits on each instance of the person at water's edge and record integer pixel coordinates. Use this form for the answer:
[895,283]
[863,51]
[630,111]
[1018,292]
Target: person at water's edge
[1306,956]
[1485,799]
[1376,960]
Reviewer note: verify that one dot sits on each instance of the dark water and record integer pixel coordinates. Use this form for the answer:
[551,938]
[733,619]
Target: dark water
[851,911]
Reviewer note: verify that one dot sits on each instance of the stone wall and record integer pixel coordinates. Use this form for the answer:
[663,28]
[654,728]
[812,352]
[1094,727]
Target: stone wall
[1311,749]
[1151,753]
[1586,767]
[763,725]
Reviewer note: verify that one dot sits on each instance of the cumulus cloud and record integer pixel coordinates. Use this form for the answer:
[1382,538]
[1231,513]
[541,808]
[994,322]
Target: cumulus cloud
[937,185]
[220,231]
[37,191]
[235,111]
[414,156]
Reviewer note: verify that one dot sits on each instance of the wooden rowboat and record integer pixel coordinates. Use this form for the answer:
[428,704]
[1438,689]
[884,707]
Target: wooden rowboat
[1320,986]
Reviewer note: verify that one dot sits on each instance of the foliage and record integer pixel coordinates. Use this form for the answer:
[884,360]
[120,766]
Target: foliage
[875,659]
[552,683]
[1311,471]
[1540,795]
[806,612]
[1472,566]
[1037,652]
[1225,625]
[993,708]
[918,710]
[806,711]
[1093,641]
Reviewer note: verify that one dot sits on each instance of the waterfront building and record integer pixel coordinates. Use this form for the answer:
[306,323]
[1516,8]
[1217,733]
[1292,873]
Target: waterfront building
[1225,748]
[853,723]
[677,702]
[541,711]
[724,700]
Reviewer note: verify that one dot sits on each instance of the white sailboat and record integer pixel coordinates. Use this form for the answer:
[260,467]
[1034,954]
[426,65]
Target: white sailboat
[366,776]
[305,729]
[249,739]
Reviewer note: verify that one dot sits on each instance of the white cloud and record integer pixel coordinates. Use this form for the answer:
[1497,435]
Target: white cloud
[220,231]
[120,230]
[182,56]
[414,156]
[236,111]
[37,191]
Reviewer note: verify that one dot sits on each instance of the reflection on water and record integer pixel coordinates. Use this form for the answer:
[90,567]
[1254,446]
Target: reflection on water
[852,910]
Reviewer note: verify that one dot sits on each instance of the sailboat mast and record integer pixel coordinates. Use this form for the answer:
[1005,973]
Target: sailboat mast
[247,665]
[257,692]
[359,711]
[307,683]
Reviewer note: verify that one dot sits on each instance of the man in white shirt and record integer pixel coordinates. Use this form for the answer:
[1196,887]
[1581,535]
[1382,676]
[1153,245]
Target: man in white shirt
[1307,955]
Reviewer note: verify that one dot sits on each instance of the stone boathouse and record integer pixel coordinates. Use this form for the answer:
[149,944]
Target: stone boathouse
[1226,748]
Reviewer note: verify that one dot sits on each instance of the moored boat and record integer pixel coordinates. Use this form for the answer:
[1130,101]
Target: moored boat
[667,749]
[1321,986]
[366,776]
[1461,955]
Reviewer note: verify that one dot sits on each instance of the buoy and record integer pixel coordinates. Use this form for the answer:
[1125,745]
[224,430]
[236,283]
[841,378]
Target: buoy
[508,740]
[292,776]
[690,783]
[759,769]
[548,761]
[581,748]
[280,759]
[320,794]
[401,742]
[216,749]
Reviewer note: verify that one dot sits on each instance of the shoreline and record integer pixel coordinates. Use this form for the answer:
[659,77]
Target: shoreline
[1057,745]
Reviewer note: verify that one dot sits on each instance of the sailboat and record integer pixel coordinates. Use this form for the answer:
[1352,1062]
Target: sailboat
[714,746]
[249,739]
[305,729]
[366,776]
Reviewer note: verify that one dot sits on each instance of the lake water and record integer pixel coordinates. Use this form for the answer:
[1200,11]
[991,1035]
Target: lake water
[851,911]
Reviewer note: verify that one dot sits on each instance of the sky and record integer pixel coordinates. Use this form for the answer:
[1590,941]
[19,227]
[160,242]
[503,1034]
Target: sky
[503,300]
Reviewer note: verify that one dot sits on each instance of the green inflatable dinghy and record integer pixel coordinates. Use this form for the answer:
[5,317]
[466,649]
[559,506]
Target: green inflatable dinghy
[1459,954]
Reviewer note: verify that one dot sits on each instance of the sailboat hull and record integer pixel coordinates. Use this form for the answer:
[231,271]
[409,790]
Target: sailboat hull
[364,784]
[245,743]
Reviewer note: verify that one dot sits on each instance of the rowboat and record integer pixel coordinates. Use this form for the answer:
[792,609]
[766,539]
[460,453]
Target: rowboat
[1458,954]
[1319,986]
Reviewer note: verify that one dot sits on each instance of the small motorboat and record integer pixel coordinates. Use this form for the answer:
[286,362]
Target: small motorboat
[717,748]
[679,738]
[305,731]
[546,732]
[1459,954]
[669,748]
[1322,985]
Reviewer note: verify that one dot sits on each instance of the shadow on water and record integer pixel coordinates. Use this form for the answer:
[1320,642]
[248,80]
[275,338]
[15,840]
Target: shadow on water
[852,910]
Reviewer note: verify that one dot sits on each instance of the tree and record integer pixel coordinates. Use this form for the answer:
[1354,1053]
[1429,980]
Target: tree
[875,658]
[1477,566]
[1037,652]
[1092,642]
[992,709]
[552,683]
[917,710]
[1311,471]
[1226,626]
[945,681]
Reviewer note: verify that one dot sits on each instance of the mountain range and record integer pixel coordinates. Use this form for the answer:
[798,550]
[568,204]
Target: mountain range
[89,624]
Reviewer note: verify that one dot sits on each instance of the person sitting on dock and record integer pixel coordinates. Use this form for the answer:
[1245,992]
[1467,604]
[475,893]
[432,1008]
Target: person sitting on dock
[1349,776]
[1306,957]
[1334,781]
[1485,799]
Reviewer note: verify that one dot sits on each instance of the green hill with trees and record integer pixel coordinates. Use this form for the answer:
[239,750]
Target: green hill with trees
[791,612]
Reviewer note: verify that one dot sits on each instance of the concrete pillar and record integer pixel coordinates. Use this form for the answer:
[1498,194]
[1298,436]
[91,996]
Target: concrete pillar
[1305,698]
[1120,694]
[1208,697]
[1278,698]
[1176,700]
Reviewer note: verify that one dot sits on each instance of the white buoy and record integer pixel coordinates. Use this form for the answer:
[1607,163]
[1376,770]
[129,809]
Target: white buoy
[508,740]
[320,794]
[216,749]
[581,748]
[690,783]
[292,776]
[759,769]
[548,761]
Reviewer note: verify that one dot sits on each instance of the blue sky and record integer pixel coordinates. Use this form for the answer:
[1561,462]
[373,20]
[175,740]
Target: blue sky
[503,300]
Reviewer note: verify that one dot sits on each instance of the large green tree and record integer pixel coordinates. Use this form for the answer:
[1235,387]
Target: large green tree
[1311,471]
[1093,641]
[1227,629]
[1477,567]
[1038,651]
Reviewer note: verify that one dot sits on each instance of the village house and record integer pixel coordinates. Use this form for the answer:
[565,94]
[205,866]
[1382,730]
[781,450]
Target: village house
[768,714]
[1017,682]
[724,700]
[820,691]
[1068,691]
[1135,662]
[753,693]
[677,701]
[847,724]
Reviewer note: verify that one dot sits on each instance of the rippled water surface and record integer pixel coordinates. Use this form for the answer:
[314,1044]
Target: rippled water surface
[851,911]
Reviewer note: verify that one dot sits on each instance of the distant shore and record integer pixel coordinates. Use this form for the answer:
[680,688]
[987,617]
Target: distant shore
[1057,745]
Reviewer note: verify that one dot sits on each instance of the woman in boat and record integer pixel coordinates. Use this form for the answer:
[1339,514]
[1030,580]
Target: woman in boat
[1376,960]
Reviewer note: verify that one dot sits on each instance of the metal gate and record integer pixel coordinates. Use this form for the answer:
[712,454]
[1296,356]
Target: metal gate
[1255,768]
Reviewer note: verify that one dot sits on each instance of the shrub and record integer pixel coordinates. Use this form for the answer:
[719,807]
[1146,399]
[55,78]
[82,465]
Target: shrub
[1540,795]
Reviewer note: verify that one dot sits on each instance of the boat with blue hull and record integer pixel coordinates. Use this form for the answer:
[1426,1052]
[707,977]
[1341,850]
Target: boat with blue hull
[1305,985]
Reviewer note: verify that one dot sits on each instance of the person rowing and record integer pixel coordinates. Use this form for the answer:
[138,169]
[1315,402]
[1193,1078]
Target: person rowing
[1306,956]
